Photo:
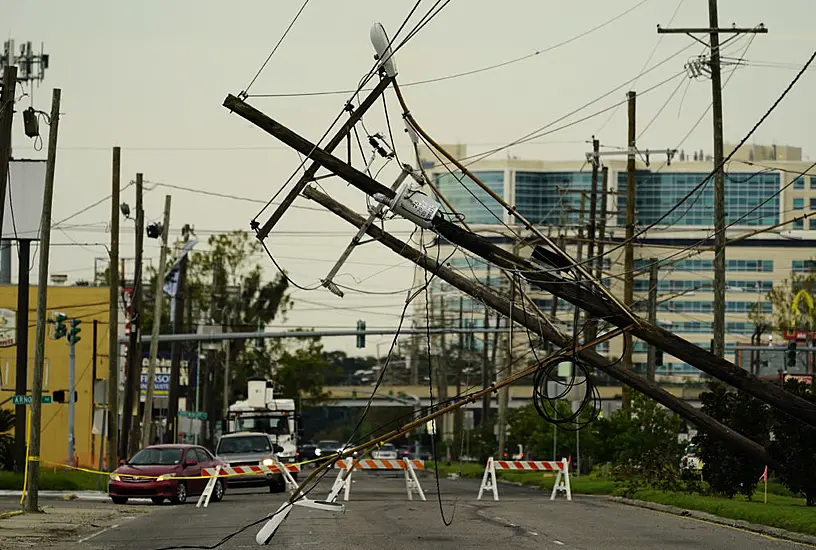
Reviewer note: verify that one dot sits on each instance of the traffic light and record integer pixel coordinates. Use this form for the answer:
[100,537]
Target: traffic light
[59,329]
[61,396]
[361,326]
[75,330]
[791,355]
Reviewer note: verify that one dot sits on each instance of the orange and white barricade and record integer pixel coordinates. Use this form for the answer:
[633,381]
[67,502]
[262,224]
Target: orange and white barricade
[343,480]
[562,482]
[233,471]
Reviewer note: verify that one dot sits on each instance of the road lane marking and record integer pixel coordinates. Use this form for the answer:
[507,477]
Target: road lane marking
[558,542]
[105,530]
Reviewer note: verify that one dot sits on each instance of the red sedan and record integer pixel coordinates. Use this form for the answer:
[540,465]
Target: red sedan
[152,472]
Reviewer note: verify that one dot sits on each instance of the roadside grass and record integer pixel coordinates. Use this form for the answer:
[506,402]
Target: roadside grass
[55,481]
[784,510]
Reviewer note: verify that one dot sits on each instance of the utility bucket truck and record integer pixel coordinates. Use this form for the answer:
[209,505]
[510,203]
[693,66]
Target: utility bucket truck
[260,412]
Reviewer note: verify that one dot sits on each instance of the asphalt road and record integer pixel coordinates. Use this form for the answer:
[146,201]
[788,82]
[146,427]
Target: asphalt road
[379,515]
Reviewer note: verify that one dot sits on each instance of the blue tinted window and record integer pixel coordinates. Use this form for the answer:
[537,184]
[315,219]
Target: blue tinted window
[799,183]
[552,198]
[799,224]
[469,199]
[798,204]
[657,193]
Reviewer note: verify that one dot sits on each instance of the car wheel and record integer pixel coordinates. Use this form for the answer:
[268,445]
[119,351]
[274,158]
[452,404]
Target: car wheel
[277,485]
[218,491]
[181,494]
[157,500]
[119,500]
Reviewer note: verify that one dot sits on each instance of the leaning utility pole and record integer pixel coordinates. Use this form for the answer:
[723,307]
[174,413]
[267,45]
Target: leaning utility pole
[714,31]
[629,250]
[177,347]
[605,306]
[112,425]
[147,418]
[33,471]
[601,229]
[651,364]
[493,300]
[130,406]
[6,117]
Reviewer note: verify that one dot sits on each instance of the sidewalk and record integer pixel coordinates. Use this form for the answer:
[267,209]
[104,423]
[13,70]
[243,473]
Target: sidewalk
[62,525]
[97,496]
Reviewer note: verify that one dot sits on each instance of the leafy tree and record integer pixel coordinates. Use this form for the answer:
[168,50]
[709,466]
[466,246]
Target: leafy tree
[782,296]
[794,447]
[728,471]
[642,442]
[6,439]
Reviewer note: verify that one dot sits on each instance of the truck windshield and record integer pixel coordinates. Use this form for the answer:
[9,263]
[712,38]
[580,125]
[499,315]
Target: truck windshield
[273,425]
[243,445]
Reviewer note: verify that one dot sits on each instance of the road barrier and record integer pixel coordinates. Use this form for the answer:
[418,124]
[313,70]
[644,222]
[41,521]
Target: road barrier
[343,480]
[226,471]
[562,482]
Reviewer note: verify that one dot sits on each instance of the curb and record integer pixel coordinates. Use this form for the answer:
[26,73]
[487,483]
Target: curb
[13,513]
[752,527]
[63,495]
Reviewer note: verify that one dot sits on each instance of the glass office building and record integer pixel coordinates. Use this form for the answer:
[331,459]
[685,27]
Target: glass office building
[676,202]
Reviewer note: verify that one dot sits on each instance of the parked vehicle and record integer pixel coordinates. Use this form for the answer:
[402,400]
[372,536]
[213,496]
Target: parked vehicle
[251,449]
[151,473]
[385,452]
[307,453]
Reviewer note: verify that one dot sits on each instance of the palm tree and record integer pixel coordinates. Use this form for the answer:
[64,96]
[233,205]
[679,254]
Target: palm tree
[6,439]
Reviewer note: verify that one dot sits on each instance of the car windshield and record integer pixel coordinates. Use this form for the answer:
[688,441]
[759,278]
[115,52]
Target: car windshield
[244,445]
[332,445]
[272,425]
[388,448]
[156,456]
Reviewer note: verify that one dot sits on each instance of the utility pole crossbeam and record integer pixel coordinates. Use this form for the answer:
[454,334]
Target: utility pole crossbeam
[714,31]
[33,471]
[147,419]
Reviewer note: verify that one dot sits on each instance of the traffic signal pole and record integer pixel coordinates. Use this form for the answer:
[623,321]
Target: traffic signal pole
[71,408]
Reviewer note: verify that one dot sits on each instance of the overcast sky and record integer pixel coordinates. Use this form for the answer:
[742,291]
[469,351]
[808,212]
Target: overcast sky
[151,76]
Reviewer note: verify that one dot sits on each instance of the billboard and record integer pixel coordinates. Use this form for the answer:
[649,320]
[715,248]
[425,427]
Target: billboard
[24,200]
[161,388]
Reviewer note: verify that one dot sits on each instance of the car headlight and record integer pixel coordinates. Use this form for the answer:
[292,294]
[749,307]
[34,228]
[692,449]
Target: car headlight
[317,452]
[165,477]
[115,477]
[268,462]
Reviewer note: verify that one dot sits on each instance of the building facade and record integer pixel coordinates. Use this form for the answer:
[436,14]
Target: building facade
[765,187]
[89,305]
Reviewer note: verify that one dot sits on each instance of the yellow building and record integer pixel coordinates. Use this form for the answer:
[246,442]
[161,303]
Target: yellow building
[87,304]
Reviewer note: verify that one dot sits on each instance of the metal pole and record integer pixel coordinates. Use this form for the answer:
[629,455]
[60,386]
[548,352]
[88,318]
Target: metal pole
[112,419]
[94,359]
[198,386]
[147,419]
[21,379]
[71,389]
[226,381]
[33,472]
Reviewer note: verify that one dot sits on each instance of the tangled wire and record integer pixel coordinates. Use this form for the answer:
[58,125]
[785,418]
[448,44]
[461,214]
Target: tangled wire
[578,385]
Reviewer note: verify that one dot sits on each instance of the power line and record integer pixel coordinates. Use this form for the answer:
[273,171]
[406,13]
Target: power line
[487,68]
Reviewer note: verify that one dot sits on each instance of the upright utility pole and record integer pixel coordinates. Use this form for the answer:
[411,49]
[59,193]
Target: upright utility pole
[714,68]
[133,377]
[177,347]
[485,370]
[602,228]
[71,407]
[629,251]
[147,418]
[33,472]
[592,327]
[458,415]
[112,424]
[651,365]
[6,117]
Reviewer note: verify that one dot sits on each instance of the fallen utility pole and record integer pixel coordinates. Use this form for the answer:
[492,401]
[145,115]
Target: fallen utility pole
[713,68]
[147,417]
[526,319]
[33,466]
[598,305]
[112,412]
